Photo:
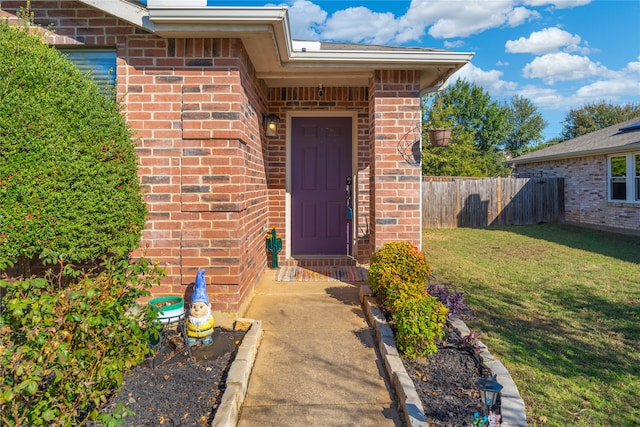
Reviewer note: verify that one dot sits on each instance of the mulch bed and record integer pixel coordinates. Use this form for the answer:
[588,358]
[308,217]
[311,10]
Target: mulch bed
[180,391]
[445,382]
[175,390]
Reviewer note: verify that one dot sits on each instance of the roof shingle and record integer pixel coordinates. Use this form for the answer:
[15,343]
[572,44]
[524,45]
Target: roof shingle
[603,141]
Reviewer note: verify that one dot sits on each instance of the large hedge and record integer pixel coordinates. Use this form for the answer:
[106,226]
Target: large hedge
[68,174]
[68,194]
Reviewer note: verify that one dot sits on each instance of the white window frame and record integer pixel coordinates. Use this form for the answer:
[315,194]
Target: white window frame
[631,180]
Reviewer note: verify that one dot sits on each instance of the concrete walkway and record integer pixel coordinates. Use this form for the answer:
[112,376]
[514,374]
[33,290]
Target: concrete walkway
[317,364]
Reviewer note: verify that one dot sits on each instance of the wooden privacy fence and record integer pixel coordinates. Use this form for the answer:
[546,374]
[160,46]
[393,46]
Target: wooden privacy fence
[470,202]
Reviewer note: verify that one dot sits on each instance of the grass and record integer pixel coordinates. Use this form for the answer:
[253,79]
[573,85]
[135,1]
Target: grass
[560,307]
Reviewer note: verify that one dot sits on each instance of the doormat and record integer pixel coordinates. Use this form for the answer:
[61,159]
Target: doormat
[322,274]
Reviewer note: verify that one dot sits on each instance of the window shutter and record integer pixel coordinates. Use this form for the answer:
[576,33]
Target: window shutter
[100,64]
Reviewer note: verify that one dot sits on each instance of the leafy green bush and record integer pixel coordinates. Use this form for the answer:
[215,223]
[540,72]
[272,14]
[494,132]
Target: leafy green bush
[70,196]
[397,291]
[68,174]
[397,262]
[398,277]
[419,324]
[63,350]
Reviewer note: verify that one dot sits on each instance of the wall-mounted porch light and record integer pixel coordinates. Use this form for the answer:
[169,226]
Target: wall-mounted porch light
[271,125]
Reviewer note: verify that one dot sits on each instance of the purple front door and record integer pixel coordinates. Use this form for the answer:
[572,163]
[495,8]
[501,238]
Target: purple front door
[320,165]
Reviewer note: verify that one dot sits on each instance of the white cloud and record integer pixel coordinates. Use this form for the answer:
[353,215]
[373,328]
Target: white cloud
[307,19]
[520,15]
[633,67]
[558,4]
[454,44]
[502,64]
[448,19]
[359,24]
[488,80]
[613,88]
[560,66]
[543,97]
[442,19]
[548,40]
[625,82]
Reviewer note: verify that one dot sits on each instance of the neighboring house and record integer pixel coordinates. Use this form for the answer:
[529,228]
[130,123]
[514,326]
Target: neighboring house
[198,84]
[601,172]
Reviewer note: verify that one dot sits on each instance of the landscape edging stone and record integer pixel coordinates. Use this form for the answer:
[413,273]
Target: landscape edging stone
[512,406]
[238,377]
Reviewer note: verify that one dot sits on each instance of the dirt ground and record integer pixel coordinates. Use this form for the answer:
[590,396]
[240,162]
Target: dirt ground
[445,382]
[175,390]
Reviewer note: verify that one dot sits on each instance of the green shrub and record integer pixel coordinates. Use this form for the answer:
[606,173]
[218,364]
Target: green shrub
[68,174]
[397,291]
[397,261]
[419,325]
[63,350]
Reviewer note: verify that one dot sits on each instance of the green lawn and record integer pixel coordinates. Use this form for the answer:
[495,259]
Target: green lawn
[560,307]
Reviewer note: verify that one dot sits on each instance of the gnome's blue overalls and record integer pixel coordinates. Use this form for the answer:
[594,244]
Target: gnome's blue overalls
[200,323]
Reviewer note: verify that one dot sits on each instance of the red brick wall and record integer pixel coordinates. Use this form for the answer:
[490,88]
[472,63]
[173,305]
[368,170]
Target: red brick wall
[395,179]
[585,193]
[196,109]
[212,180]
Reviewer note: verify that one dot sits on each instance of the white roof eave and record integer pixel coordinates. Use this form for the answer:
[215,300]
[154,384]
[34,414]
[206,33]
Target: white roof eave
[135,13]
[266,34]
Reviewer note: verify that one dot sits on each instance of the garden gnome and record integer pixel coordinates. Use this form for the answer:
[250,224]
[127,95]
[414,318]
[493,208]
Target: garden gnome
[494,419]
[200,323]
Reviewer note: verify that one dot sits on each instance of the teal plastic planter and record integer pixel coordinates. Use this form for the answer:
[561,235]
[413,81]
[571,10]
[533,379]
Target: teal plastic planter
[170,308]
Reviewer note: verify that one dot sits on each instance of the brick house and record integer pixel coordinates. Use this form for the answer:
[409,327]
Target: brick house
[601,172]
[198,84]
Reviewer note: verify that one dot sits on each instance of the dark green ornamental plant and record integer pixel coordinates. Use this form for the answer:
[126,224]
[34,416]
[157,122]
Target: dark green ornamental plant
[68,174]
[70,198]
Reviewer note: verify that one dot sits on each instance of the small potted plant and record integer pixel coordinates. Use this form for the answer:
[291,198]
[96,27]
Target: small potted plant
[439,123]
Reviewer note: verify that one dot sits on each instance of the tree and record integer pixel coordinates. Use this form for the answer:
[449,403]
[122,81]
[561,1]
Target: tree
[525,126]
[594,116]
[479,129]
[68,174]
[541,145]
[475,112]
[462,158]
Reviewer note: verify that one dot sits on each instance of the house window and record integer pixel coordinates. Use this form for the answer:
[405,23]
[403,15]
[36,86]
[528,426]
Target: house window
[624,178]
[100,64]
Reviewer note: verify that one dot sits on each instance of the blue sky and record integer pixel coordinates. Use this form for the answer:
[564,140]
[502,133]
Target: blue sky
[559,54]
